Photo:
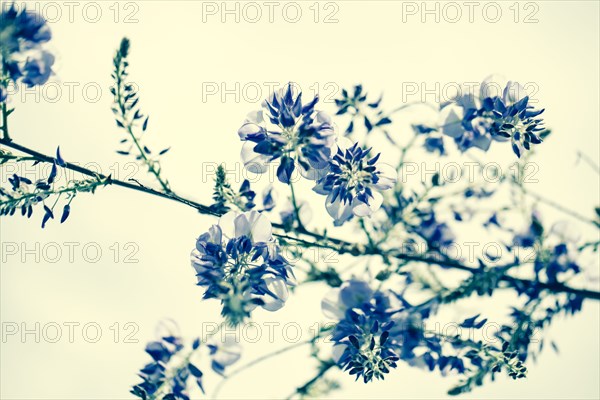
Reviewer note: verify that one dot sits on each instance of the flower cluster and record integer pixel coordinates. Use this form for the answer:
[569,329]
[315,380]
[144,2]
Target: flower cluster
[363,344]
[169,373]
[239,263]
[155,381]
[376,329]
[22,35]
[353,181]
[289,131]
[476,121]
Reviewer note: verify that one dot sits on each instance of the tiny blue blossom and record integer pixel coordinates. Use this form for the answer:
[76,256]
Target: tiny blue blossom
[353,182]
[289,131]
[239,262]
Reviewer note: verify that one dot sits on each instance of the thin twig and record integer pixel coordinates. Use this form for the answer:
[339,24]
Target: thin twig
[254,362]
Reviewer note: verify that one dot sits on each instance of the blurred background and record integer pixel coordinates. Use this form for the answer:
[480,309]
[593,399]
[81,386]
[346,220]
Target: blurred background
[121,263]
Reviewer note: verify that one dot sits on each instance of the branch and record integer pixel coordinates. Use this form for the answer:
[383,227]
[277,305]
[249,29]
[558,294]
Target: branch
[172,196]
[323,241]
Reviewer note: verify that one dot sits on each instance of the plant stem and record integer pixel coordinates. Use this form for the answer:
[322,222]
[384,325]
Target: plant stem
[5,113]
[255,362]
[296,209]
[560,207]
[302,390]
[128,125]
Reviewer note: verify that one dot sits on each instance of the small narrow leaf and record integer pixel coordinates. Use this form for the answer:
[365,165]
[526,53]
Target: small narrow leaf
[59,159]
[66,212]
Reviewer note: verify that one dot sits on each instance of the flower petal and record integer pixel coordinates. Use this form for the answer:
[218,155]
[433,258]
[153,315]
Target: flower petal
[254,162]
[340,212]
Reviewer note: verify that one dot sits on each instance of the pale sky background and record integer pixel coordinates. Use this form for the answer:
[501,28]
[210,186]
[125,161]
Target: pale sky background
[179,50]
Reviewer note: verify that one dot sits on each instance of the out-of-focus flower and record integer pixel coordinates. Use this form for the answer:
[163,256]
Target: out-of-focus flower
[166,377]
[289,131]
[37,71]
[288,214]
[239,262]
[354,102]
[22,36]
[437,234]
[558,260]
[532,234]
[435,144]
[223,354]
[353,182]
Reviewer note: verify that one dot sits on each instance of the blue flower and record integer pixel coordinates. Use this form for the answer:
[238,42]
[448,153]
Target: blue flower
[437,234]
[532,234]
[168,373]
[239,263]
[475,121]
[562,255]
[269,198]
[558,260]
[289,131]
[37,71]
[223,354]
[364,343]
[23,33]
[375,329]
[353,181]
[288,214]
[434,143]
